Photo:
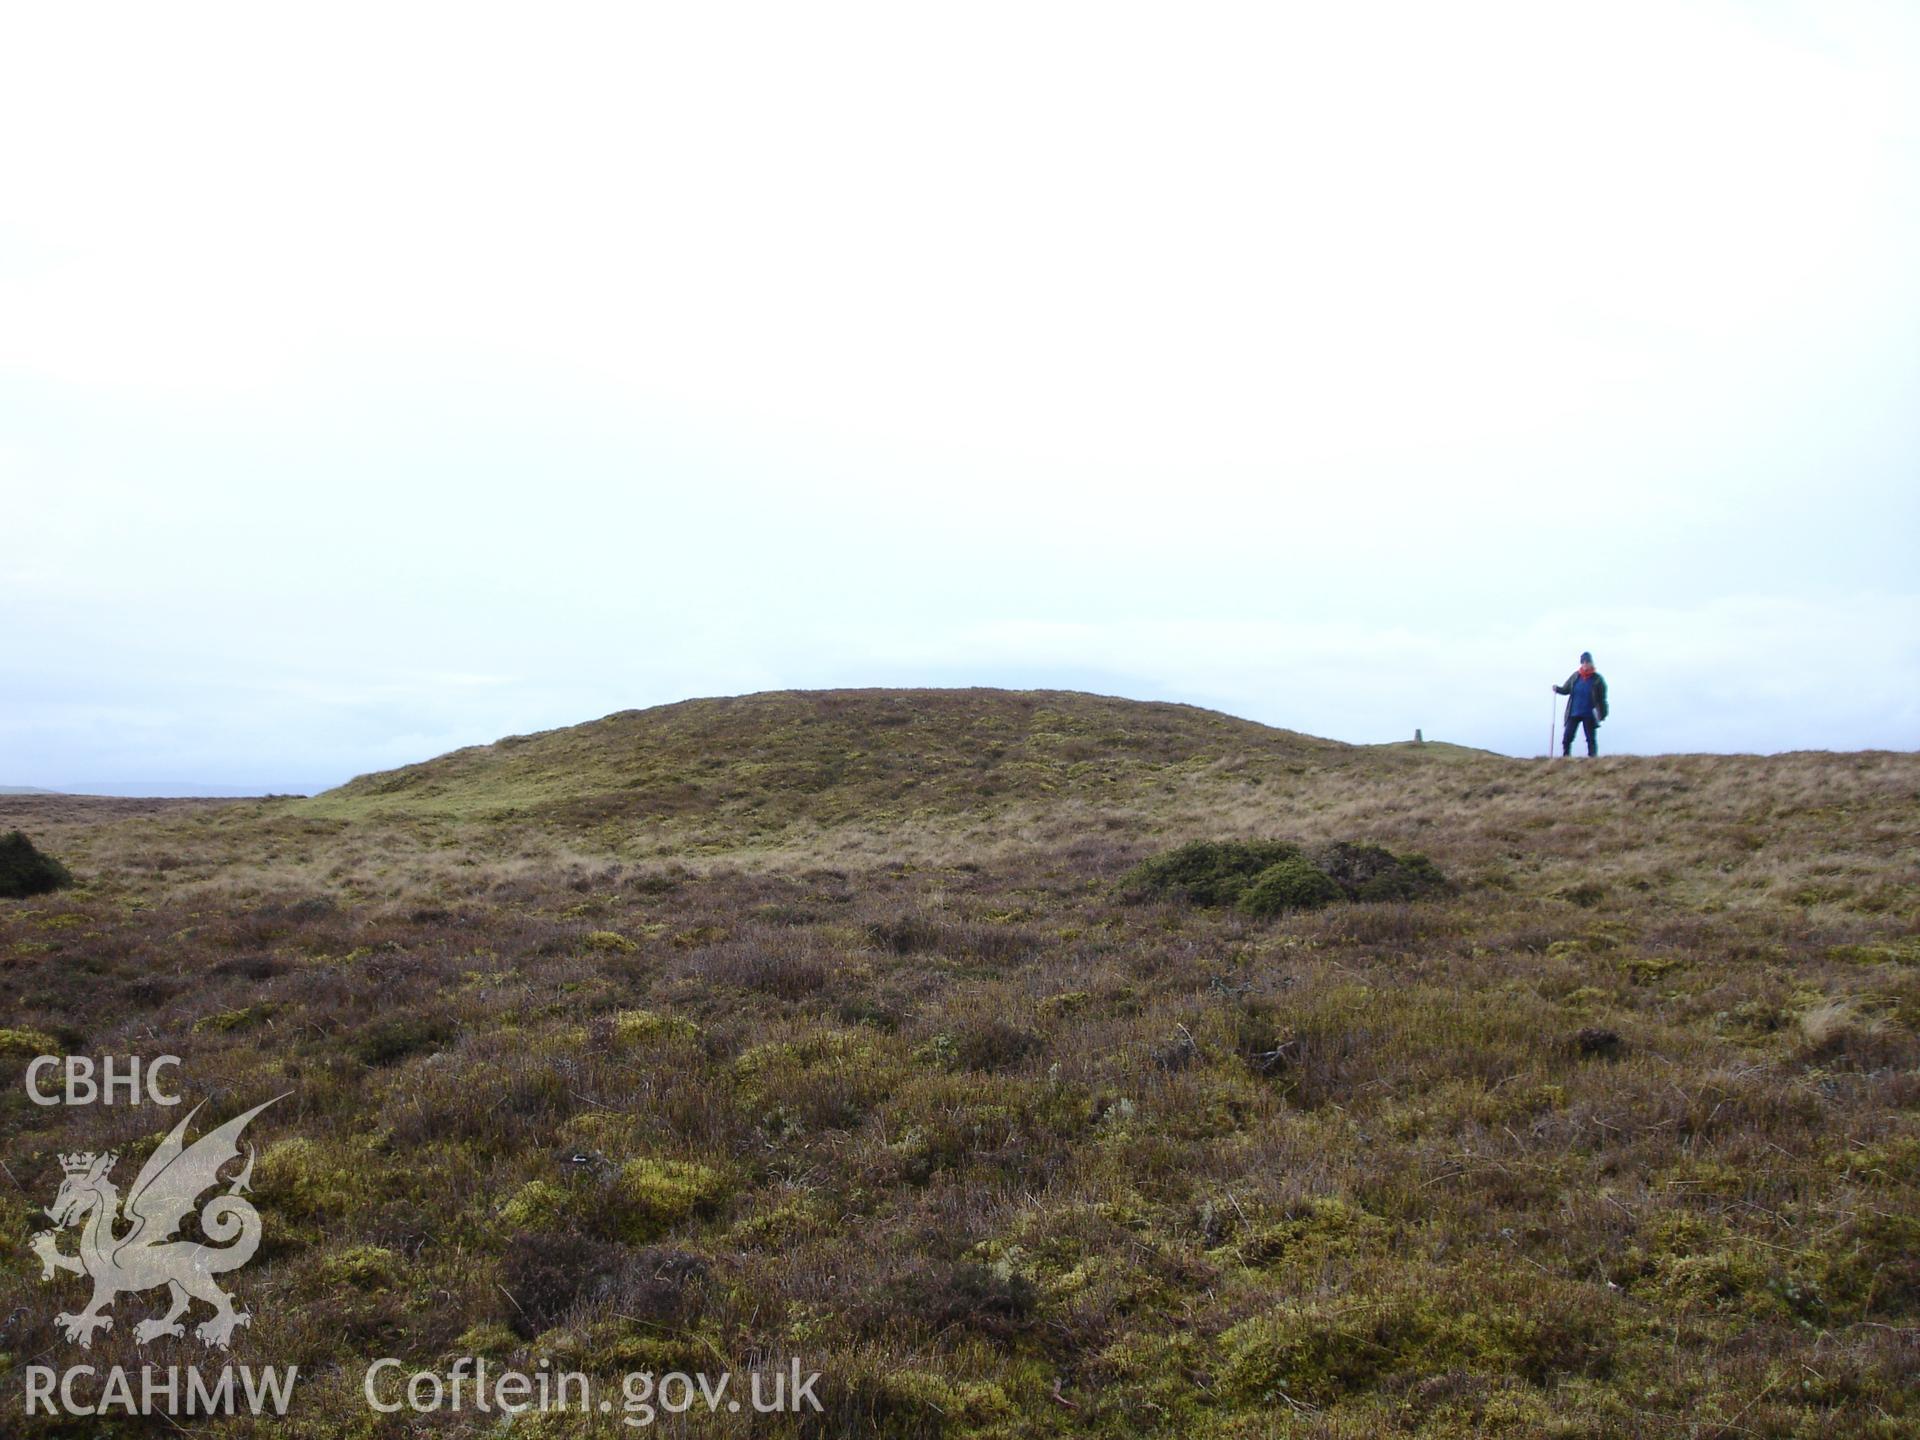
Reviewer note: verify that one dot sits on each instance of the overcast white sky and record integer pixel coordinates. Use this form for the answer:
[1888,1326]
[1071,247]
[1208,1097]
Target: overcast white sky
[379,379]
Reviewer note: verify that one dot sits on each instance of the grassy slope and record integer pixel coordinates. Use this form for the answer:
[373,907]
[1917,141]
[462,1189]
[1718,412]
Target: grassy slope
[871,756]
[836,993]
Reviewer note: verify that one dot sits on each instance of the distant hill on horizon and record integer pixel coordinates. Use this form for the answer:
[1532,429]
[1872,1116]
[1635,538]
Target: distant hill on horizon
[162,790]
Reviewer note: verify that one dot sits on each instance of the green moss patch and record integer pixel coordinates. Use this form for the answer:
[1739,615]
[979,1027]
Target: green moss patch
[1264,878]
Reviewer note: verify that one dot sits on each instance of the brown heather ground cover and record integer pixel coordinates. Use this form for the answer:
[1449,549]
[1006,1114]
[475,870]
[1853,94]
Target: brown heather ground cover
[818,1025]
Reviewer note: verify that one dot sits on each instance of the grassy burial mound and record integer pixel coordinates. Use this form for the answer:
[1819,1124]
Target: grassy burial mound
[812,758]
[934,1038]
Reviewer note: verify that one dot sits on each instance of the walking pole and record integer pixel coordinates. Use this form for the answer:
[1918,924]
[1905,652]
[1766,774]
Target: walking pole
[1553,721]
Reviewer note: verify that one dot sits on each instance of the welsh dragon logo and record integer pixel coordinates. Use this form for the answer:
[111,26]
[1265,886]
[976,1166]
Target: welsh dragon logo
[147,1254]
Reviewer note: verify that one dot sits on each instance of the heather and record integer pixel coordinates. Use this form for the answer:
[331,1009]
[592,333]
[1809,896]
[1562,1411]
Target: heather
[929,1037]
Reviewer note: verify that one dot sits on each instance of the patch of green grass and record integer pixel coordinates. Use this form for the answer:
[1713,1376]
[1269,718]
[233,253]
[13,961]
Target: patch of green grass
[1208,872]
[1292,884]
[1265,878]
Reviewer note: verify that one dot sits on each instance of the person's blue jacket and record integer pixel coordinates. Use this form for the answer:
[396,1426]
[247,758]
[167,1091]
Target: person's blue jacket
[1587,695]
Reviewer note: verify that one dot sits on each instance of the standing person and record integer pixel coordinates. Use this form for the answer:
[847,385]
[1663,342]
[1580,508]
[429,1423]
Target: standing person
[1586,690]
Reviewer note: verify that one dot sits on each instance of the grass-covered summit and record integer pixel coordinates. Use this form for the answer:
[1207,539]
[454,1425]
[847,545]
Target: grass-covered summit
[831,755]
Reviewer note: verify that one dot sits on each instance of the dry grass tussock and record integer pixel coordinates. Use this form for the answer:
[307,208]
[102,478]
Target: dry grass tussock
[1617,1138]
